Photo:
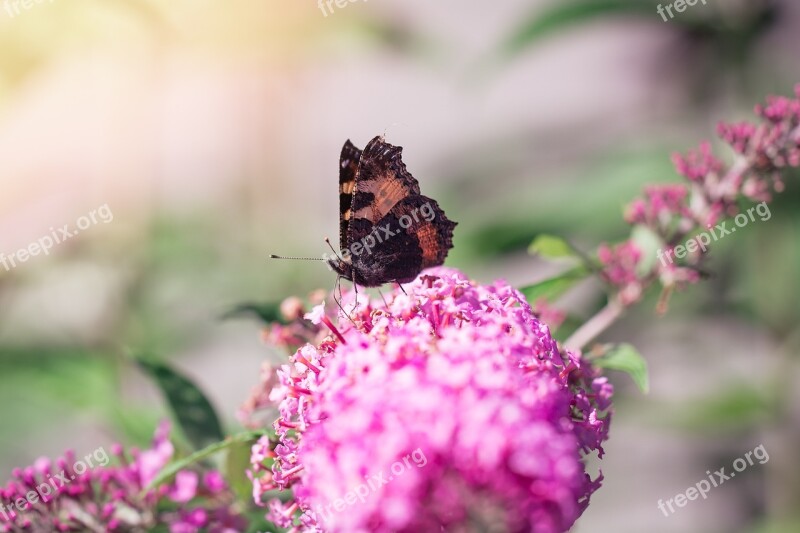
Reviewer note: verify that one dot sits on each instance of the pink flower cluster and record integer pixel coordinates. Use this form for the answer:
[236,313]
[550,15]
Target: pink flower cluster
[673,213]
[115,497]
[462,373]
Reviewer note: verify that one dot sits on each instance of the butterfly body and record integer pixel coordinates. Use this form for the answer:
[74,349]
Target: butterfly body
[388,231]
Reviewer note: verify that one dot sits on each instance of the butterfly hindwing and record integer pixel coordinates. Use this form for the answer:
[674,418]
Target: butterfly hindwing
[348,169]
[433,230]
[397,257]
[413,236]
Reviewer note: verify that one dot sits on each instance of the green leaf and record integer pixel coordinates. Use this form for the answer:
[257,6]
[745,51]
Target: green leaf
[181,464]
[551,247]
[568,327]
[267,312]
[626,358]
[192,410]
[552,288]
[648,243]
[237,461]
[566,13]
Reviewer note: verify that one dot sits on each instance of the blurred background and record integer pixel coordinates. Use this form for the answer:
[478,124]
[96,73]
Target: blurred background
[211,131]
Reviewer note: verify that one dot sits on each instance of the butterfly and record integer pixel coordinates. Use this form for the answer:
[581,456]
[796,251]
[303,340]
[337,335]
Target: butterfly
[388,231]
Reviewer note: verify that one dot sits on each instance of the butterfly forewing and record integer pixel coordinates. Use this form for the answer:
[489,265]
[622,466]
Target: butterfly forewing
[410,231]
[348,169]
[382,181]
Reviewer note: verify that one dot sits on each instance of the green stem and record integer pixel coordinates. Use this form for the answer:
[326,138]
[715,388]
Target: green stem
[176,466]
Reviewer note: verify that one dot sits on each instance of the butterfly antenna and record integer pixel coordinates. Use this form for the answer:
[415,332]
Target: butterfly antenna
[328,242]
[273,256]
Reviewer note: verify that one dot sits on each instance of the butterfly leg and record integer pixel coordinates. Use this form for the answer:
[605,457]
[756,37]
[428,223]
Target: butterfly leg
[338,301]
[385,303]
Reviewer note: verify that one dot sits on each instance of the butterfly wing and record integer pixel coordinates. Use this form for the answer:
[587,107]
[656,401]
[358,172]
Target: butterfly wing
[411,232]
[382,181]
[435,233]
[415,235]
[348,169]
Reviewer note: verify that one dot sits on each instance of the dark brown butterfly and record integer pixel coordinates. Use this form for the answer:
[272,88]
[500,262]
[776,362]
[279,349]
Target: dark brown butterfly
[388,231]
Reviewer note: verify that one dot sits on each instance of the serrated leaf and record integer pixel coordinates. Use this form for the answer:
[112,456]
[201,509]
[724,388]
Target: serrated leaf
[626,358]
[567,13]
[551,247]
[176,466]
[552,288]
[192,410]
[266,312]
